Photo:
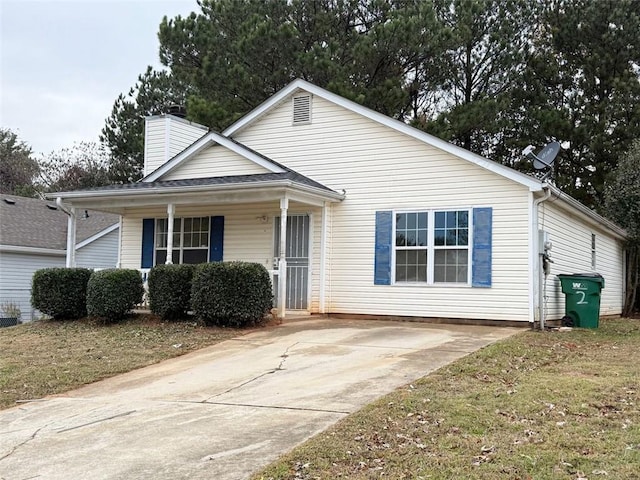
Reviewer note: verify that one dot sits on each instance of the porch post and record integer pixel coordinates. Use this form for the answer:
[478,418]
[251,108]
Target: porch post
[171,210]
[71,238]
[119,261]
[282,264]
[323,256]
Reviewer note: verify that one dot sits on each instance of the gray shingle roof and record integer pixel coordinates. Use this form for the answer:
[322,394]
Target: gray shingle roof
[228,180]
[29,222]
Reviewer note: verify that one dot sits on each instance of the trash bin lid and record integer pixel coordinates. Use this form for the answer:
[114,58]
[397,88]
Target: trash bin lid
[589,275]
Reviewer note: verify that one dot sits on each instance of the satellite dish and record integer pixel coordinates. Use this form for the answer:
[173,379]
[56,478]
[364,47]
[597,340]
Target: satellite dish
[545,158]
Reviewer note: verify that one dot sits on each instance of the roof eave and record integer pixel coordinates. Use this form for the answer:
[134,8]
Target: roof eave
[596,218]
[329,195]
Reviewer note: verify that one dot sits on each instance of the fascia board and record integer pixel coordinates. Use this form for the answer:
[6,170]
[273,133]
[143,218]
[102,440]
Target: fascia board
[299,84]
[594,218]
[31,250]
[87,196]
[205,142]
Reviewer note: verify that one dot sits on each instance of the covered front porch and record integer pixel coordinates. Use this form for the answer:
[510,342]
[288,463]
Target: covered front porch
[281,223]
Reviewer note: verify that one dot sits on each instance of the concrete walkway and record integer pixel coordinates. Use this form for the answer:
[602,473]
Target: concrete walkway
[227,410]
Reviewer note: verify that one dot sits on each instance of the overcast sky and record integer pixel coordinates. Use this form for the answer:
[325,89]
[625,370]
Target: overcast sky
[64,62]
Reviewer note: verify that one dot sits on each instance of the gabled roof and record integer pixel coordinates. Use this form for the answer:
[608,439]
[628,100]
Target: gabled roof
[205,142]
[34,223]
[302,85]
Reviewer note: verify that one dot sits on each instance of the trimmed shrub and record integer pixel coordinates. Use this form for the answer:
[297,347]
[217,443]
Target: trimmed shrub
[170,290]
[112,293]
[233,294]
[61,292]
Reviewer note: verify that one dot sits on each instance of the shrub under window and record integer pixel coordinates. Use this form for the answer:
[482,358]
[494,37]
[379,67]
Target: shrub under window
[170,290]
[114,292]
[231,294]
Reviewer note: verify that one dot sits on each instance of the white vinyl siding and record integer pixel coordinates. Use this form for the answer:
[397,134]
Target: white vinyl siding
[248,234]
[215,161]
[165,137]
[571,253]
[16,271]
[380,169]
[101,253]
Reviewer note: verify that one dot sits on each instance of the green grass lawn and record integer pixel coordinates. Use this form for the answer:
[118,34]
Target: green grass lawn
[47,357]
[540,405]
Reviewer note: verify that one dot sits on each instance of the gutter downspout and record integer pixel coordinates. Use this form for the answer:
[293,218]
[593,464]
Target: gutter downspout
[537,272]
[71,233]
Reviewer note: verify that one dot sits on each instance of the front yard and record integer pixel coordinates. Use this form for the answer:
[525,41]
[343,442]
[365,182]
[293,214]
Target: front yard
[47,357]
[536,406]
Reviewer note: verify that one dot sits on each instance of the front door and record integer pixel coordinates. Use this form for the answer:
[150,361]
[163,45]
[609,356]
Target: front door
[297,256]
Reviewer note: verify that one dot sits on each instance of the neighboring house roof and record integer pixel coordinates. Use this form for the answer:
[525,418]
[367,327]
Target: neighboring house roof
[34,223]
[299,84]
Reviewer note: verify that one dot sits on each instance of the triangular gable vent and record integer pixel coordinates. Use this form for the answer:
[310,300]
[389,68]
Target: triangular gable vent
[302,109]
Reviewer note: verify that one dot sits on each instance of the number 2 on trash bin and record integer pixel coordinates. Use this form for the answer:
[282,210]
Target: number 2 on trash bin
[582,301]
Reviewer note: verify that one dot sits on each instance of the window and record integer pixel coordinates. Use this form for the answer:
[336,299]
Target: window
[411,247]
[190,240]
[451,247]
[593,251]
[436,254]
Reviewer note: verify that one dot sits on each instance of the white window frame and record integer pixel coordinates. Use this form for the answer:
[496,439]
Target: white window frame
[431,247]
[181,248]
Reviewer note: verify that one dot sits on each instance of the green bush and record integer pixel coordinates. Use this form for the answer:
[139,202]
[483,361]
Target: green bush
[170,290]
[233,294]
[60,292]
[112,293]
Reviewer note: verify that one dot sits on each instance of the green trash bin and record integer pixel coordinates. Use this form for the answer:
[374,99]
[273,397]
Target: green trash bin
[582,298]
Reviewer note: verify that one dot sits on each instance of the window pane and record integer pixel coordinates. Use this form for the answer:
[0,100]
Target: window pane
[452,237]
[422,220]
[194,256]
[440,219]
[463,219]
[161,257]
[187,224]
[401,239]
[411,238]
[422,238]
[463,237]
[187,240]
[451,219]
[451,266]
[438,237]
[401,221]
[412,221]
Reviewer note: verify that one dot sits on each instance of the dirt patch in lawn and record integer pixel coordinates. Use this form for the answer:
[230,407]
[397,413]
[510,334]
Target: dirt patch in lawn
[48,357]
[537,405]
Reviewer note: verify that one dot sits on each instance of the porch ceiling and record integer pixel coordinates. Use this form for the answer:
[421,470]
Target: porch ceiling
[207,191]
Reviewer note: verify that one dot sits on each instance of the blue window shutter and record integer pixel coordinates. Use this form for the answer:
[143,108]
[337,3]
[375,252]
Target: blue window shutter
[148,227]
[384,233]
[481,261]
[216,240]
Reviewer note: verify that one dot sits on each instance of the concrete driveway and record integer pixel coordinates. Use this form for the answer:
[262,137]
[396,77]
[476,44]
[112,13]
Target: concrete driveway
[225,411]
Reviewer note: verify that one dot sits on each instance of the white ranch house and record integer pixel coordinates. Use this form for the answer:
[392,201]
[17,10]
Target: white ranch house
[380,219]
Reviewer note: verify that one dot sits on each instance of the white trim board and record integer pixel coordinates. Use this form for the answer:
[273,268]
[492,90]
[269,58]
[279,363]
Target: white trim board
[98,235]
